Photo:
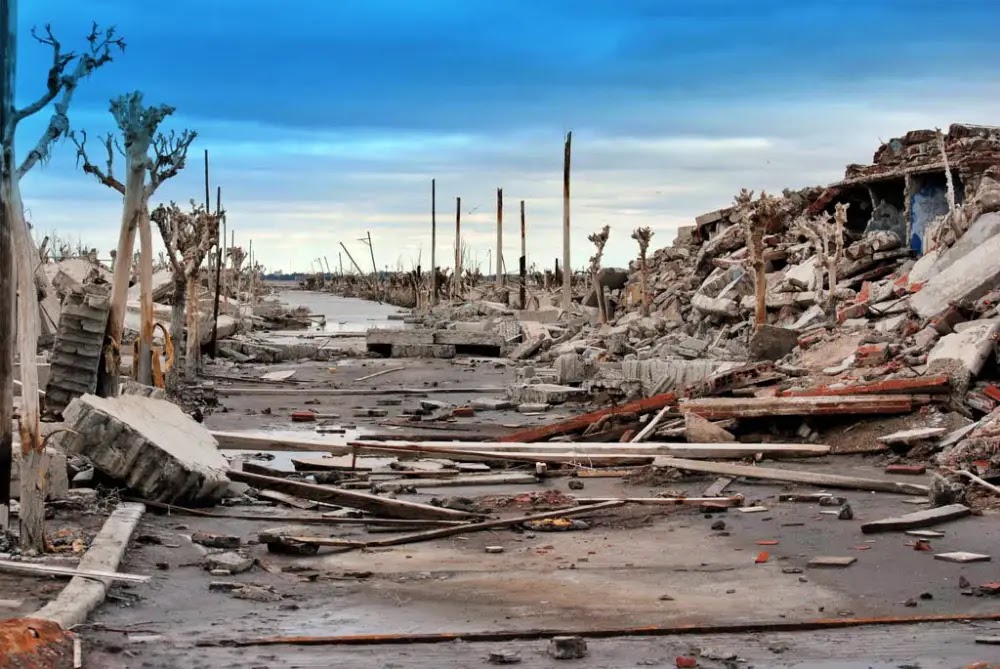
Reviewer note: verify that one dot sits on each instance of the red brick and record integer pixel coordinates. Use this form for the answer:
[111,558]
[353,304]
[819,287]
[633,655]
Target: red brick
[463,412]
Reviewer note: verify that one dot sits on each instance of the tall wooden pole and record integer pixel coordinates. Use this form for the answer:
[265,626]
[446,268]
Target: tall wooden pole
[8,24]
[523,263]
[361,272]
[143,366]
[567,296]
[434,274]
[208,195]
[214,348]
[250,298]
[457,281]
[500,274]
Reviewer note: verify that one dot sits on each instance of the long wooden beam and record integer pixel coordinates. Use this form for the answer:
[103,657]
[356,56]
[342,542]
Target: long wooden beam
[715,408]
[583,449]
[570,425]
[920,384]
[392,508]
[792,476]
[348,392]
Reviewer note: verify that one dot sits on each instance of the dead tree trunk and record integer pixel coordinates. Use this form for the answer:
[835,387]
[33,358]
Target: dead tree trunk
[599,239]
[193,334]
[8,26]
[567,279]
[643,236]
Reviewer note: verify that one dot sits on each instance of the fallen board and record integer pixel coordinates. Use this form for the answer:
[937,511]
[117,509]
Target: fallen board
[488,479]
[962,557]
[261,442]
[716,408]
[582,449]
[46,569]
[917,519]
[911,436]
[793,476]
[570,425]
[393,508]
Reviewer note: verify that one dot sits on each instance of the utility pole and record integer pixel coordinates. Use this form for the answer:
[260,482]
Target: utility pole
[456,282]
[7,54]
[523,262]
[340,257]
[567,274]
[434,276]
[375,278]
[214,348]
[351,258]
[500,276]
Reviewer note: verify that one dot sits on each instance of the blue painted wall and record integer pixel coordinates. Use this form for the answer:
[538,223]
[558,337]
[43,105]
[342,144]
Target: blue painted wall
[926,204]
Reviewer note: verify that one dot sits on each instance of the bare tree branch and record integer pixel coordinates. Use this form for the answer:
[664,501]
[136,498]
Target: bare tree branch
[107,176]
[62,85]
[171,154]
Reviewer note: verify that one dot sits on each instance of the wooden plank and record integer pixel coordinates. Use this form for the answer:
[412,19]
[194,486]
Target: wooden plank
[229,391]
[488,479]
[962,557]
[911,436]
[392,508]
[793,476]
[288,500]
[262,442]
[651,425]
[638,407]
[755,407]
[917,519]
[735,500]
[922,385]
[583,449]
[281,375]
[47,570]
[718,486]
[457,529]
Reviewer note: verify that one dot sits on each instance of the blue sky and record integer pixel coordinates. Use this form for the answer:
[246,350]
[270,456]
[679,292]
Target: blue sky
[328,118]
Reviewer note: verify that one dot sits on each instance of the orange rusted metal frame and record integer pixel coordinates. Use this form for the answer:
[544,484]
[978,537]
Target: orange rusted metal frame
[648,405]
[923,384]
[597,633]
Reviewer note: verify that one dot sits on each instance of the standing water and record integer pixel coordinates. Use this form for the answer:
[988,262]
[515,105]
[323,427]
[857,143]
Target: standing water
[344,314]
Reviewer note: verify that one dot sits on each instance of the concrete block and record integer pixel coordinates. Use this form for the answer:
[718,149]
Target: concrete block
[491,404]
[150,446]
[422,351]
[234,563]
[467,338]
[679,373]
[546,393]
[772,343]
[382,337]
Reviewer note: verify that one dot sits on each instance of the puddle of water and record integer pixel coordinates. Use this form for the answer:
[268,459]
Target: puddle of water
[344,314]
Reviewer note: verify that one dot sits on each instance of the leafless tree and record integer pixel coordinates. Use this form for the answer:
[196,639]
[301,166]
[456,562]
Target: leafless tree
[599,240]
[643,236]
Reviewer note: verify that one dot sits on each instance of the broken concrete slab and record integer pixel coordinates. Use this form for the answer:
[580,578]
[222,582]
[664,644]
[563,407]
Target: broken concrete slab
[772,343]
[76,354]
[150,446]
[970,348]
[234,563]
[491,404]
[831,561]
[910,437]
[956,283]
[917,519]
[444,351]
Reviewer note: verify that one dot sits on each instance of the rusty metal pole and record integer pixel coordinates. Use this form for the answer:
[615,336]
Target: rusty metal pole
[567,273]
[523,262]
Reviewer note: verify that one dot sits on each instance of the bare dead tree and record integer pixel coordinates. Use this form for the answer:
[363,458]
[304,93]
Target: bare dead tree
[66,71]
[828,243]
[643,236]
[599,240]
[188,237]
[145,173]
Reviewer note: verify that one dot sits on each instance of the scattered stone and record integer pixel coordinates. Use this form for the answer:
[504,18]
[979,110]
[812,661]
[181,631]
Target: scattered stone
[494,550]
[772,343]
[234,563]
[831,500]
[567,647]
[701,431]
[831,561]
[917,519]
[926,595]
[215,540]
[532,407]
[719,525]
[225,586]
[504,657]
[256,593]
[575,484]
[846,513]
[463,412]
[491,404]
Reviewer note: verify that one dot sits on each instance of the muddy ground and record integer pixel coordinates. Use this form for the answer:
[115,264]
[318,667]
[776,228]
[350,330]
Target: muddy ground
[636,567]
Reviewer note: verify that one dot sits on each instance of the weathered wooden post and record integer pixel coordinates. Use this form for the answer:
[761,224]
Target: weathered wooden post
[500,273]
[375,277]
[456,282]
[567,296]
[523,263]
[434,279]
[214,348]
